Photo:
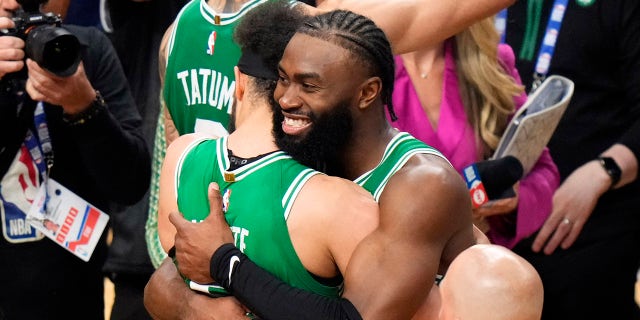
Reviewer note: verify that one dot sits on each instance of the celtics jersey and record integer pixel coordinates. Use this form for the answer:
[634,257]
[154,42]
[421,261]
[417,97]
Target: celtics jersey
[398,151]
[199,81]
[257,199]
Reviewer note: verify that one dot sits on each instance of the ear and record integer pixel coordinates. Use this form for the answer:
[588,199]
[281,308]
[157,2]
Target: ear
[241,83]
[369,92]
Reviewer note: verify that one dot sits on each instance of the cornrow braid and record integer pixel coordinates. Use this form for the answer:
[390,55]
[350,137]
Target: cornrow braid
[361,37]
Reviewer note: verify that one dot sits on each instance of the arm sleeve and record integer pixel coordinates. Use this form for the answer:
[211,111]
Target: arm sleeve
[629,39]
[112,141]
[536,188]
[10,133]
[534,203]
[269,297]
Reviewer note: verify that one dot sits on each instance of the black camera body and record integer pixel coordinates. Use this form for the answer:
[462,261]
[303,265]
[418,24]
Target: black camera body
[54,48]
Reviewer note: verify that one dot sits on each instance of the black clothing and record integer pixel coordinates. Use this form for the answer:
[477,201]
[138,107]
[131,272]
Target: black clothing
[104,160]
[138,28]
[598,47]
[129,296]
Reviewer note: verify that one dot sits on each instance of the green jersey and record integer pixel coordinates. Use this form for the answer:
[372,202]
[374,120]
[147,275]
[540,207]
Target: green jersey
[257,199]
[399,150]
[199,82]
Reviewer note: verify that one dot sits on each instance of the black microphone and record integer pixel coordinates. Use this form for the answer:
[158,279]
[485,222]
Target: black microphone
[499,175]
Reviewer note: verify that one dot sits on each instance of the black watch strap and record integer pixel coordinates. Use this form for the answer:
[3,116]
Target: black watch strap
[97,106]
[612,169]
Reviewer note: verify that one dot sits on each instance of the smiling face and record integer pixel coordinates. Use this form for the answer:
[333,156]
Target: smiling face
[317,92]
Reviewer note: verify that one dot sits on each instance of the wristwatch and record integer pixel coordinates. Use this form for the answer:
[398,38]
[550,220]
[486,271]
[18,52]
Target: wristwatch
[611,168]
[97,106]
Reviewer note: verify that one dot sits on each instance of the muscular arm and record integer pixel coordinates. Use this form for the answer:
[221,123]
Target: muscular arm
[425,222]
[171,133]
[403,253]
[423,22]
[167,297]
[167,198]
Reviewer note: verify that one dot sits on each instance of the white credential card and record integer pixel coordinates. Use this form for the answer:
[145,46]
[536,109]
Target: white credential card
[69,220]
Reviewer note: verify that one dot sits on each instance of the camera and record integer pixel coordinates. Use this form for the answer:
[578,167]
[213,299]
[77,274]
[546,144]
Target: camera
[52,47]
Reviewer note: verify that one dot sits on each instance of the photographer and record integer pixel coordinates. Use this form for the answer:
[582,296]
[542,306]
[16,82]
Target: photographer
[97,152]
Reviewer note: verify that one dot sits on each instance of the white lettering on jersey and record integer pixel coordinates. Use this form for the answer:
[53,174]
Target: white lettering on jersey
[238,237]
[206,86]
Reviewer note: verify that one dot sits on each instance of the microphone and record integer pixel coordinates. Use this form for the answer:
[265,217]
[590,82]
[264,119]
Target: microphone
[499,175]
[492,179]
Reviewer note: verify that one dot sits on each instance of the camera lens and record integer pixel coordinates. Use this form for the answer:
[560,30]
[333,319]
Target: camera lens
[55,49]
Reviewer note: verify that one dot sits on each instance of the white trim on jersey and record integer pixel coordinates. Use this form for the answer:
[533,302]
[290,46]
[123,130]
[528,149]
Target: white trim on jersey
[294,189]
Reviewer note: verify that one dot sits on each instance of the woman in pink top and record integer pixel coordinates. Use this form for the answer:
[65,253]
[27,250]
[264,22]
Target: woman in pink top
[458,97]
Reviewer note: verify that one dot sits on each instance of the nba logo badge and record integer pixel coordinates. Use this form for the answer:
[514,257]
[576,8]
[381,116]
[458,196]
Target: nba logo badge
[211,42]
[225,200]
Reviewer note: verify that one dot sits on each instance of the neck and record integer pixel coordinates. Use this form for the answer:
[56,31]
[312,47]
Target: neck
[254,136]
[424,61]
[371,134]
[224,6]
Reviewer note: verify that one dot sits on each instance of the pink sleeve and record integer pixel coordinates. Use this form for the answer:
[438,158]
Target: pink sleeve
[534,204]
[536,188]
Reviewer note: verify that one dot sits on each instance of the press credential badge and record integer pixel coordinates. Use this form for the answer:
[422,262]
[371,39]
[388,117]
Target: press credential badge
[67,219]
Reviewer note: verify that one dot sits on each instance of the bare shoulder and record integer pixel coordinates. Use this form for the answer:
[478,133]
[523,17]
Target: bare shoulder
[332,216]
[179,145]
[428,198]
[429,176]
[167,198]
[343,199]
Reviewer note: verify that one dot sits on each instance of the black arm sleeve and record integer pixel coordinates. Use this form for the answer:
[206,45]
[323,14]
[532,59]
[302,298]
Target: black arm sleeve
[629,39]
[269,297]
[10,135]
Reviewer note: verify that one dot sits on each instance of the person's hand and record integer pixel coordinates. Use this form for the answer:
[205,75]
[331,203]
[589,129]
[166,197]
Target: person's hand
[166,296]
[11,50]
[495,207]
[573,204]
[196,242]
[74,93]
[498,206]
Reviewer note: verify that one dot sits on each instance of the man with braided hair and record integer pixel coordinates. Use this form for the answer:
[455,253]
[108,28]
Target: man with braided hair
[270,199]
[395,302]
[335,78]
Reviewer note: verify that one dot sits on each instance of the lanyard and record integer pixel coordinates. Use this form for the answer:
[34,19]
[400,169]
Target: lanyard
[40,147]
[547,48]
[501,24]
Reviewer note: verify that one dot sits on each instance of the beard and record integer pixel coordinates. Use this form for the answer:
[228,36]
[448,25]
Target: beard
[321,147]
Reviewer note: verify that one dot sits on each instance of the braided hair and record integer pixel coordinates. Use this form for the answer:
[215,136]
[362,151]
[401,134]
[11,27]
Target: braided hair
[362,38]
